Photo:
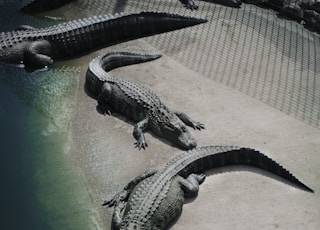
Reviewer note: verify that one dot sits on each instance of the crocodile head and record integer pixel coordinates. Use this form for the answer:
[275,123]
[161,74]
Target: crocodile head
[176,131]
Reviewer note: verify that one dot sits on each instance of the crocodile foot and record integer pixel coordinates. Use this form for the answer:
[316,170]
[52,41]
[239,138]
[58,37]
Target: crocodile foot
[189,4]
[312,19]
[104,109]
[198,125]
[292,11]
[141,144]
[116,199]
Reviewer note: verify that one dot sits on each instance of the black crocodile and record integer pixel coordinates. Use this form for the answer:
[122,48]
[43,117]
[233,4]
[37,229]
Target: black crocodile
[303,11]
[190,4]
[38,47]
[311,5]
[136,101]
[306,12]
[155,198]
[36,6]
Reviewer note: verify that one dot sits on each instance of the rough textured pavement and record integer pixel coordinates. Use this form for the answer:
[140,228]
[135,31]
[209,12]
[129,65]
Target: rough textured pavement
[251,78]
[240,199]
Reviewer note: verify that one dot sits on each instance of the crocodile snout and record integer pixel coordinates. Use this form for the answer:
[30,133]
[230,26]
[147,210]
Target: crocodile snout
[186,141]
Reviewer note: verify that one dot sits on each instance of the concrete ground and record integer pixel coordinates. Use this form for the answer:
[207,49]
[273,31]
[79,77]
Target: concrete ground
[239,199]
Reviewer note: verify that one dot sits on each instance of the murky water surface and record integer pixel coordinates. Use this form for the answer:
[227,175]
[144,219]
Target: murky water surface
[41,188]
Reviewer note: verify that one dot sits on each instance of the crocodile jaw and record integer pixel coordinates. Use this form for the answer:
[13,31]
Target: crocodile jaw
[186,141]
[175,131]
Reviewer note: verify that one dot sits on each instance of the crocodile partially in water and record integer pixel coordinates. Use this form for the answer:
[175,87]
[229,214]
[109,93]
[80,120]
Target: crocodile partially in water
[38,48]
[136,101]
[155,198]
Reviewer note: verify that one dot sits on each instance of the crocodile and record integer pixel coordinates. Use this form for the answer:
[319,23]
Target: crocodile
[154,199]
[36,6]
[306,12]
[136,101]
[38,48]
[190,4]
[311,5]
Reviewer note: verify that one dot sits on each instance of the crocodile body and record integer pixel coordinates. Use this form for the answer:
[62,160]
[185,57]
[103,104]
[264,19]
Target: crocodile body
[303,11]
[36,6]
[38,47]
[136,101]
[154,199]
[190,4]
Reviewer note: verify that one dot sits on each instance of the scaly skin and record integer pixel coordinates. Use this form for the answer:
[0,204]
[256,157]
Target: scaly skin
[190,4]
[38,47]
[154,199]
[136,101]
[307,11]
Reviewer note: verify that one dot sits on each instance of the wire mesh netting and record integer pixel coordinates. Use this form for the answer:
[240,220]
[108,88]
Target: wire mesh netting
[251,49]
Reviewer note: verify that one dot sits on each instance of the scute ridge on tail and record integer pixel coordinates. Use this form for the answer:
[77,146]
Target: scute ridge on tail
[154,200]
[220,156]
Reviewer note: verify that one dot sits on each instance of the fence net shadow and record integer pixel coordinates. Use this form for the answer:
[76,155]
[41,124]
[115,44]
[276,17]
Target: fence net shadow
[250,49]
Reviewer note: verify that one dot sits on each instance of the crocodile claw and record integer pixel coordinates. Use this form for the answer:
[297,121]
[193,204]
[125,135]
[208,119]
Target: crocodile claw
[103,109]
[191,5]
[198,126]
[116,199]
[107,112]
[141,144]
[201,177]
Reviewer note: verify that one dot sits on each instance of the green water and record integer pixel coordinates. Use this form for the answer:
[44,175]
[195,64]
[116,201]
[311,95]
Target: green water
[19,204]
[42,186]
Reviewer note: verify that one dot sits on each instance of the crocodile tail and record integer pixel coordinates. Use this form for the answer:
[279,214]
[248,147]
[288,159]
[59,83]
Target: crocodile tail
[137,25]
[164,22]
[97,72]
[94,78]
[206,158]
[114,60]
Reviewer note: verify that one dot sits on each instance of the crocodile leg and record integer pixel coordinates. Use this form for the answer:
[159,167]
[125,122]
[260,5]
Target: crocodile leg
[188,121]
[190,185]
[103,98]
[230,3]
[117,215]
[126,191]
[138,133]
[37,53]
[119,200]
[189,4]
